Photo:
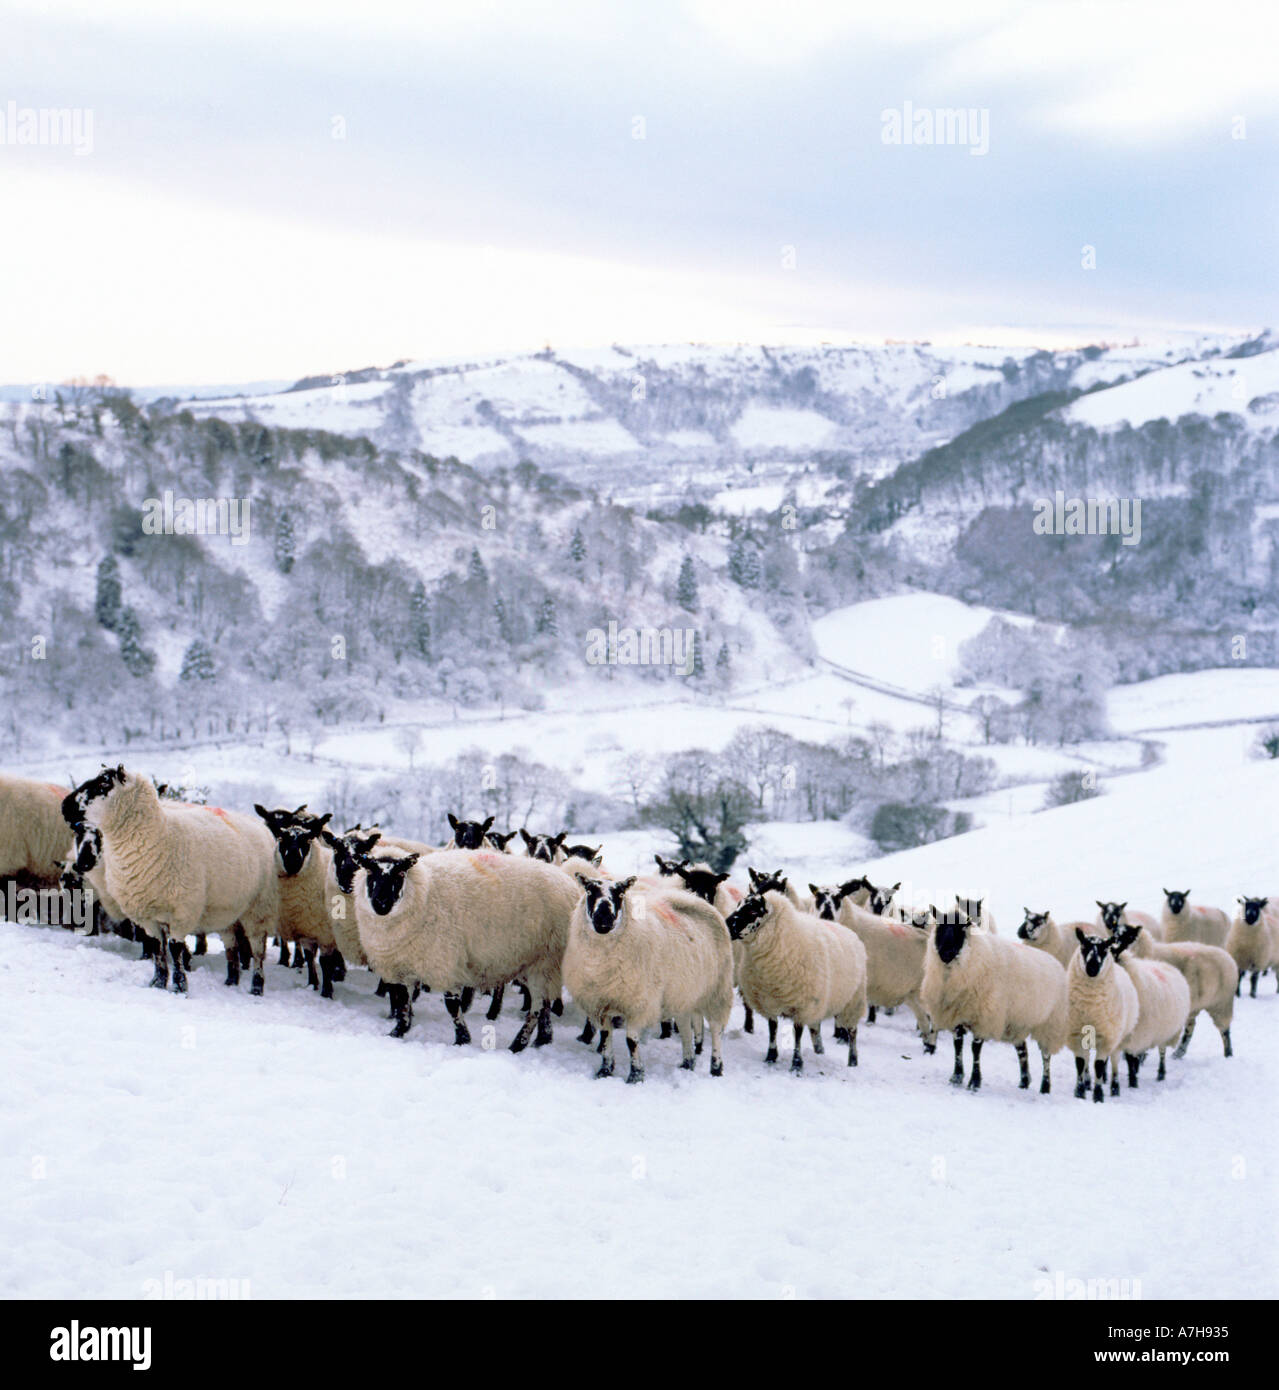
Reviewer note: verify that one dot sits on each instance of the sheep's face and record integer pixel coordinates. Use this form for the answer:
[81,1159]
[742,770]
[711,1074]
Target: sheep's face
[745,921]
[1176,901]
[348,854]
[702,882]
[970,907]
[294,833]
[669,868]
[500,842]
[1095,951]
[922,918]
[951,935]
[1112,914]
[68,877]
[1033,926]
[592,856]
[604,903]
[88,848]
[1252,909]
[544,847]
[469,834]
[767,883]
[1123,938]
[881,898]
[385,881]
[77,801]
[826,901]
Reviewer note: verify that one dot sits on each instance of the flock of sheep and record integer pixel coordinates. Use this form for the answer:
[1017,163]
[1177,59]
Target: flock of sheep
[636,953]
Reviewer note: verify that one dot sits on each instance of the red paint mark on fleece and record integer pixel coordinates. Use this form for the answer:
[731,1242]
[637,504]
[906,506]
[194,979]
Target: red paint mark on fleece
[734,893]
[486,856]
[667,914]
[59,792]
[899,929]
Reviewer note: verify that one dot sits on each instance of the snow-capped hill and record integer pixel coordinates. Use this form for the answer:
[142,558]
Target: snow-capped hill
[1247,387]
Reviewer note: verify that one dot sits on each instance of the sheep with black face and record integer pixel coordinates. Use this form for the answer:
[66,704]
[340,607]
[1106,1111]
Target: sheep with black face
[1253,941]
[1101,1012]
[549,849]
[638,953]
[469,834]
[1182,920]
[302,863]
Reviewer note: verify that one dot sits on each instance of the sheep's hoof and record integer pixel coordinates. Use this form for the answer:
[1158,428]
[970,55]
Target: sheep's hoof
[461,1035]
[1098,1095]
[543,1038]
[957,1078]
[1024,1084]
[258,984]
[1045,1087]
[327,991]
[557,1007]
[399,1030]
[771,1055]
[717,1066]
[159,982]
[179,984]
[841,1035]
[749,1025]
[929,1049]
[635,1075]
[974,1081]
[606,1069]
[796,1065]
[587,1034]
[666,1029]
[518,1044]
[688,1064]
[1225,1041]
[1081,1092]
[1179,1053]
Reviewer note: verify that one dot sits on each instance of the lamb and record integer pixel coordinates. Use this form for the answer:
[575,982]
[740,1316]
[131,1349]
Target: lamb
[463,920]
[547,848]
[34,836]
[1253,941]
[636,957]
[1163,1004]
[468,834]
[302,866]
[1103,1013]
[996,989]
[1209,971]
[1039,929]
[894,956]
[1182,921]
[796,966]
[185,870]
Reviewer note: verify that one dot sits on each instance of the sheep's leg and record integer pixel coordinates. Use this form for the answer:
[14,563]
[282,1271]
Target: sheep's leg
[1132,1070]
[588,1032]
[284,950]
[926,1031]
[1185,1037]
[957,1076]
[771,1054]
[699,1032]
[636,1072]
[339,966]
[1023,1062]
[160,980]
[176,948]
[1252,988]
[186,959]
[1046,1084]
[1225,1042]
[312,978]
[686,1044]
[852,1046]
[1099,1080]
[816,1034]
[233,959]
[149,952]
[495,1008]
[468,998]
[748,1024]
[797,1056]
[243,947]
[1162,1072]
[520,1041]
[382,988]
[841,1033]
[202,946]
[258,981]
[667,1025]
[717,1061]
[401,1010]
[606,1048]
[974,1080]
[870,1014]
[527,1004]
[328,972]
[545,1029]
[557,1007]
[1081,1077]
[461,1033]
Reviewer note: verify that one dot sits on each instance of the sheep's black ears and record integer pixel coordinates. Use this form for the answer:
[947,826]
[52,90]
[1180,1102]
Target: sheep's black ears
[558,840]
[720,878]
[410,859]
[597,859]
[1100,904]
[622,884]
[329,838]
[1122,906]
[300,809]
[897,885]
[524,835]
[452,820]
[120,769]
[1263,901]
[324,820]
[262,811]
[933,910]
[814,889]
[756,878]
[1079,935]
[487,826]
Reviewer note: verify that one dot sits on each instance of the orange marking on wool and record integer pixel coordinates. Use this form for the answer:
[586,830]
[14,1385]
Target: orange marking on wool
[218,811]
[899,929]
[667,914]
[734,893]
[59,792]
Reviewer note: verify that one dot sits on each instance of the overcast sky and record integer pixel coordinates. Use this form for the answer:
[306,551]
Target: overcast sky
[490,193]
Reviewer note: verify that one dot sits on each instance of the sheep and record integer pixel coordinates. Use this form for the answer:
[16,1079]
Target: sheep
[183,870]
[85,865]
[594,856]
[979,916]
[996,989]
[894,956]
[1253,941]
[1182,921]
[499,840]
[636,957]
[795,966]
[1209,971]
[1163,1004]
[34,835]
[464,920]
[879,901]
[468,834]
[302,866]
[1041,930]
[547,848]
[1103,1012]
[778,882]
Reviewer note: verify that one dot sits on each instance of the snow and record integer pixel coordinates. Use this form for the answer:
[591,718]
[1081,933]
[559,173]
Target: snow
[764,427]
[1196,697]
